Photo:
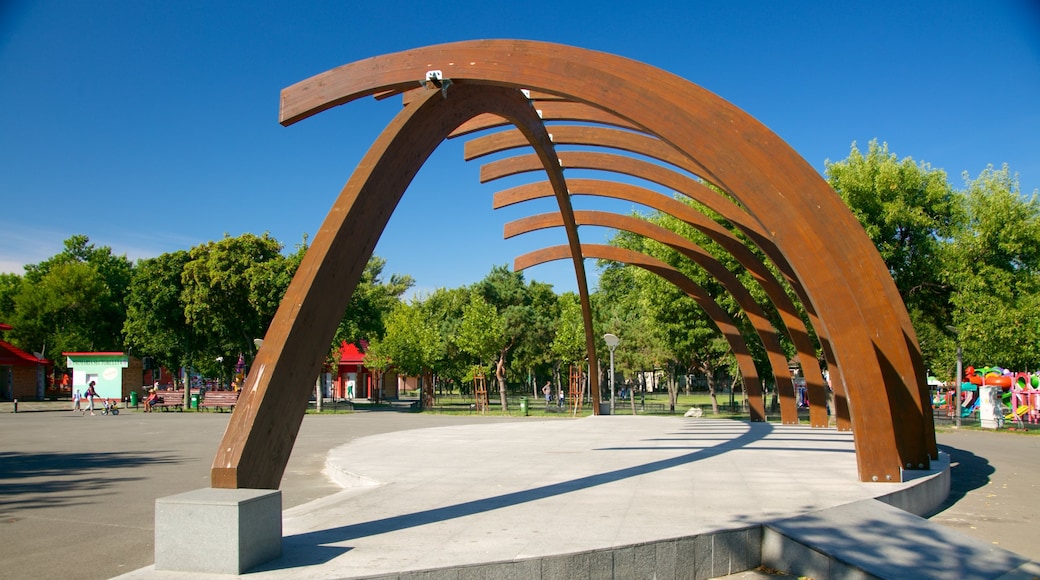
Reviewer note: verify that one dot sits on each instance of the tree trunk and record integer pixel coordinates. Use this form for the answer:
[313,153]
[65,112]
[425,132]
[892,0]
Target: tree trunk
[673,387]
[500,374]
[632,394]
[186,403]
[711,392]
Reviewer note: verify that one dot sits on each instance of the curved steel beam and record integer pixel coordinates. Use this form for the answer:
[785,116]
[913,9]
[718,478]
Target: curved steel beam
[856,300]
[658,174]
[698,255]
[717,314]
[639,143]
[793,323]
[550,111]
[260,435]
[648,146]
[682,184]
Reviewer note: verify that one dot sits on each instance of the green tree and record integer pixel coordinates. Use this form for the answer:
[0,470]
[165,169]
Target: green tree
[411,342]
[372,301]
[622,310]
[682,337]
[10,284]
[60,310]
[994,266]
[230,293]
[482,336]
[444,310]
[513,302]
[155,323]
[568,344]
[532,357]
[73,301]
[908,209]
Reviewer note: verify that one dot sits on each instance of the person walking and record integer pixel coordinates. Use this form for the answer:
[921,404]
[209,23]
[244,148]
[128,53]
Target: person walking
[91,393]
[77,398]
[547,391]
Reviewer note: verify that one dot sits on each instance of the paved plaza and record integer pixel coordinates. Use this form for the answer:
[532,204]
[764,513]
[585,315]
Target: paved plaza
[427,491]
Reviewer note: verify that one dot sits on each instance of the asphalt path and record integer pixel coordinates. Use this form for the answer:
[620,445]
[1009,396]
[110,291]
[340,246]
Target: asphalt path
[995,488]
[77,492]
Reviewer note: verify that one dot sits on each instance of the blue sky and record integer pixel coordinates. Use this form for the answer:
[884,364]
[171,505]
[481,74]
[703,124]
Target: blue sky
[151,126]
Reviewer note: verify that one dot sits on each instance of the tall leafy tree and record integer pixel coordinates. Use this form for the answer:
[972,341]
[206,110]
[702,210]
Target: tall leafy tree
[61,311]
[481,335]
[686,338]
[411,341]
[568,345]
[373,300]
[73,300]
[228,295]
[994,267]
[9,287]
[155,323]
[444,310]
[532,356]
[622,309]
[908,209]
[513,302]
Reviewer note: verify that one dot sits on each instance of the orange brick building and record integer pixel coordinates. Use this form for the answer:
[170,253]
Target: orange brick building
[22,375]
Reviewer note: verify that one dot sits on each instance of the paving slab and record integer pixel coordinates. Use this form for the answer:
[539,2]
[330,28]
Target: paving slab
[882,541]
[469,495]
[65,478]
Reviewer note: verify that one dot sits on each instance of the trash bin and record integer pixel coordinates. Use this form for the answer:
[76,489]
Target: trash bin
[523,406]
[133,399]
[195,401]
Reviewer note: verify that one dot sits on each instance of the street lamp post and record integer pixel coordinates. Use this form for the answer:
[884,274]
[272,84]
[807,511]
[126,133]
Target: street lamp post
[612,342]
[957,384]
[957,381]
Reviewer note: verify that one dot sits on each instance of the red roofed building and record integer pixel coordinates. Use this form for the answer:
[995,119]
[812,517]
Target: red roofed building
[354,381]
[22,375]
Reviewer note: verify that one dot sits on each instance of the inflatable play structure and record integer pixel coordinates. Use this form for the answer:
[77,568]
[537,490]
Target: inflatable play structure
[1015,395]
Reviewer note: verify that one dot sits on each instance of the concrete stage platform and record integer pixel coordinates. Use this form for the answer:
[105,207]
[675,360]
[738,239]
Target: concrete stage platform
[616,497]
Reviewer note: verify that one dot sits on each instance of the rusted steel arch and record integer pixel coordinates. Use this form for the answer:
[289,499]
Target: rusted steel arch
[632,142]
[550,111]
[793,324]
[653,148]
[658,174]
[756,315]
[717,314]
[857,302]
[691,188]
[648,146]
[259,438]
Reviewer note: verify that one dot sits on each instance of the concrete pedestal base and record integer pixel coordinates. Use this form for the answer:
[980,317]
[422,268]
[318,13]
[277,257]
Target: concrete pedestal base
[221,531]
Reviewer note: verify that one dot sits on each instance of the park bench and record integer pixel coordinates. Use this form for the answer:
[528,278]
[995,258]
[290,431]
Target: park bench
[170,400]
[219,400]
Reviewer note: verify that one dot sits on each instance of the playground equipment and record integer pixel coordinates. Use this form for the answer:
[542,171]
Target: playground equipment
[989,377]
[1014,396]
[1024,399]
